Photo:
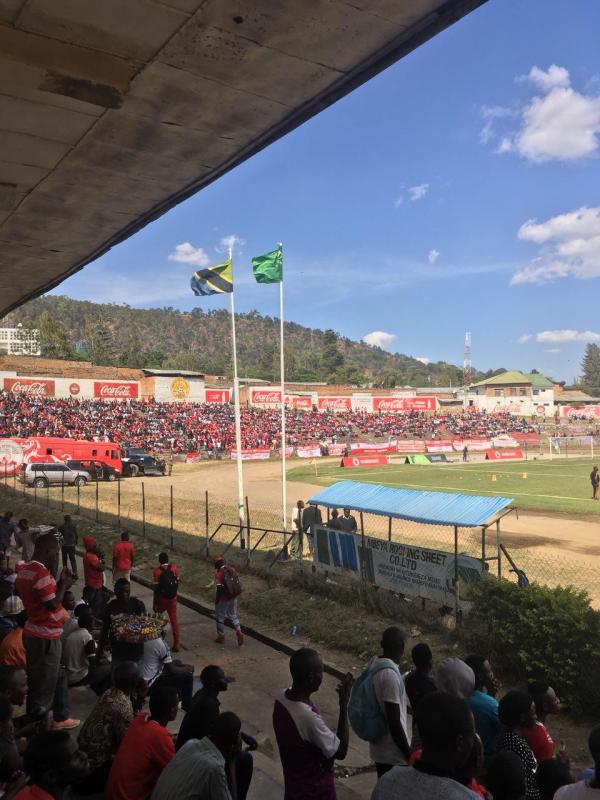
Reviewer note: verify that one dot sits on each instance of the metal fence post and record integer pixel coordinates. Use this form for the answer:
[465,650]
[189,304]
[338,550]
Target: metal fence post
[78,498]
[15,480]
[206,522]
[34,492]
[498,547]
[119,503]
[389,529]
[5,474]
[62,490]
[248,531]
[456,600]
[96,501]
[143,510]
[48,493]
[171,515]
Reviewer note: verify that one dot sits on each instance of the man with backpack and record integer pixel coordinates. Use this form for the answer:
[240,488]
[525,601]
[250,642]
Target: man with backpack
[229,588]
[166,587]
[377,708]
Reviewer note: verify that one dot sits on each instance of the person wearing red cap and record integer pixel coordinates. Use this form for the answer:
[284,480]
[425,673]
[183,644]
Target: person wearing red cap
[93,575]
[228,590]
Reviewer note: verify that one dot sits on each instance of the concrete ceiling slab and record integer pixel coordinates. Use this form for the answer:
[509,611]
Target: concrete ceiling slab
[111,113]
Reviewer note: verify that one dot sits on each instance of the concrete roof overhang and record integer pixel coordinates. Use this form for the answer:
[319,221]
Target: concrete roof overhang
[113,112]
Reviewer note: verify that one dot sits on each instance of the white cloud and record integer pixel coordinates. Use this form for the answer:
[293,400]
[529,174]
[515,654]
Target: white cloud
[417,192]
[398,201]
[230,242]
[567,335]
[570,246]
[186,253]
[433,256]
[380,339]
[558,124]
[554,78]
[423,360]
[553,350]
[526,337]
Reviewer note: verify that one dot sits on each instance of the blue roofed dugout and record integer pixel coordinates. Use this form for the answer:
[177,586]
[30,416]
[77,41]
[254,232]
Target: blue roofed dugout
[430,508]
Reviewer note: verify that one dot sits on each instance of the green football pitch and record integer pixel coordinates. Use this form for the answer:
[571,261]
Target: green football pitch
[558,485]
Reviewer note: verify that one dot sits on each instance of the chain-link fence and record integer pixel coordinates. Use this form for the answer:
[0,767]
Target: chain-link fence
[206,525]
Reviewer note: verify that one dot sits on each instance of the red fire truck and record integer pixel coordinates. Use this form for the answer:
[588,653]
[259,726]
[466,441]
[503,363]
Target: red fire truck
[15,451]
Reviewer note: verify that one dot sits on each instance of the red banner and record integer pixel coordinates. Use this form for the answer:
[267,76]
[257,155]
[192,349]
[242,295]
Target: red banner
[299,401]
[501,455]
[439,446]
[472,444]
[397,404]
[589,412]
[365,448]
[258,453]
[34,387]
[337,404]
[411,446]
[365,461]
[107,390]
[265,397]
[216,396]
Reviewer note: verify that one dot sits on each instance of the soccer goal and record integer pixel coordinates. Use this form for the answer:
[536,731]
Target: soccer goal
[572,447]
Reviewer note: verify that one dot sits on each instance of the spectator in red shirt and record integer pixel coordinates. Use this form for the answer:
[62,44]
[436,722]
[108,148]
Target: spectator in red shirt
[123,555]
[537,736]
[225,603]
[166,586]
[145,751]
[93,575]
[42,597]
[53,761]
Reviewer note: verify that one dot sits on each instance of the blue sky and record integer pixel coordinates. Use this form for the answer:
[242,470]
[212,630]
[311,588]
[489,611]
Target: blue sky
[459,190]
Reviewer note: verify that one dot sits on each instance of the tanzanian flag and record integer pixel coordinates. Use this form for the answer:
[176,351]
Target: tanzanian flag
[213,280]
[268,268]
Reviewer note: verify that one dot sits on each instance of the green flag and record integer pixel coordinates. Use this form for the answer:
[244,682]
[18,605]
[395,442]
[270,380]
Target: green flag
[268,268]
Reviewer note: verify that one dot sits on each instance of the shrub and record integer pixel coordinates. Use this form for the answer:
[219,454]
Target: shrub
[540,633]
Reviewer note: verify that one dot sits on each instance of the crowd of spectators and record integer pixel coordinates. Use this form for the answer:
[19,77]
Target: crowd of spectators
[193,427]
[467,738]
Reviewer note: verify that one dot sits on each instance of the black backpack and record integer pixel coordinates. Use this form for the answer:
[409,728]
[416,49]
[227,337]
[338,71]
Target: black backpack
[168,583]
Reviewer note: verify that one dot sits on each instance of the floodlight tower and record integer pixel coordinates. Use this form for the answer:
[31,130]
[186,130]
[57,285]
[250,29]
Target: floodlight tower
[467,369]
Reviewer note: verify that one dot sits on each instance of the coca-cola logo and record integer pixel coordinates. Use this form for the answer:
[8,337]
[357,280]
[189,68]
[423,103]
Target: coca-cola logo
[335,403]
[115,391]
[267,397]
[74,388]
[391,405]
[29,386]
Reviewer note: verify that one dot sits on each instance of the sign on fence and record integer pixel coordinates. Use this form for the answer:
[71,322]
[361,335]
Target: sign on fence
[256,454]
[404,568]
[502,455]
[366,448]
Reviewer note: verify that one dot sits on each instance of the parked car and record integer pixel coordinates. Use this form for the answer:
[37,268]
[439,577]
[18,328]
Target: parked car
[137,462]
[40,474]
[98,470]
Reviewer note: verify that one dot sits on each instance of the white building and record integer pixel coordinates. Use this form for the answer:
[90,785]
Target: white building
[528,395]
[20,341]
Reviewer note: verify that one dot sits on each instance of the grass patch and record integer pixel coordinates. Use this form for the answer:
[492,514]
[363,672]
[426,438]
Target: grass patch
[559,485]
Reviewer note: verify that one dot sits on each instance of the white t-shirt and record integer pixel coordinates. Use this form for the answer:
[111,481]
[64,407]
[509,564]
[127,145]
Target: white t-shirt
[74,656]
[70,626]
[407,782]
[389,688]
[156,655]
[577,791]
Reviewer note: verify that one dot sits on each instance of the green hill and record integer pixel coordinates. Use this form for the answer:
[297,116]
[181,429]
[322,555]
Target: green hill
[200,340]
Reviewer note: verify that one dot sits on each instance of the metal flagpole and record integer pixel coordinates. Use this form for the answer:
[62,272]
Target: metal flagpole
[283,441]
[238,426]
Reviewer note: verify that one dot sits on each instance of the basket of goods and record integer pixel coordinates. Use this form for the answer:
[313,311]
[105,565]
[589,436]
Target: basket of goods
[135,628]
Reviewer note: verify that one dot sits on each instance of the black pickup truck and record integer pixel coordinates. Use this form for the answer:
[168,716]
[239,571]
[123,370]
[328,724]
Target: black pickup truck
[137,461]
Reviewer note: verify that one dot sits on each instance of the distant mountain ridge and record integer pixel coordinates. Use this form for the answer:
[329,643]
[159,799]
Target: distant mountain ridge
[166,337]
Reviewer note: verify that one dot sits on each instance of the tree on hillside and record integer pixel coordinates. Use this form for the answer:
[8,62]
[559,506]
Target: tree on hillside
[590,365]
[54,342]
[331,358]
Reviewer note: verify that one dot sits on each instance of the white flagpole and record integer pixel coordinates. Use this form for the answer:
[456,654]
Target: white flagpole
[283,440]
[238,425]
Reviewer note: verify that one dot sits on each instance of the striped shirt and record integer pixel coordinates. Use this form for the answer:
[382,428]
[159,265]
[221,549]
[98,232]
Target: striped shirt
[36,586]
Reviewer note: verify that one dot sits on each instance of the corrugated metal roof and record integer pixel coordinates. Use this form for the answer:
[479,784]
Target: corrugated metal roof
[432,508]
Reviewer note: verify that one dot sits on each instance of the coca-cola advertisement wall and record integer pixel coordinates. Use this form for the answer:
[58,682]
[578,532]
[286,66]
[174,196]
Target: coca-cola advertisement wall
[108,390]
[397,404]
[335,404]
[589,412]
[216,396]
[299,401]
[265,397]
[33,387]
